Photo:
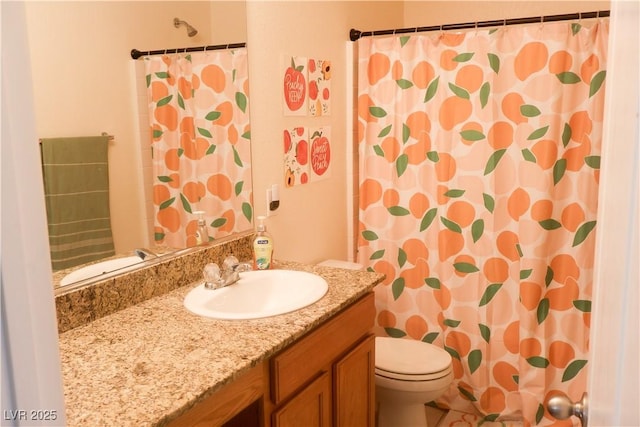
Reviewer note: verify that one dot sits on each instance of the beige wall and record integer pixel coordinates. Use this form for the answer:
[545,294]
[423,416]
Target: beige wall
[311,223]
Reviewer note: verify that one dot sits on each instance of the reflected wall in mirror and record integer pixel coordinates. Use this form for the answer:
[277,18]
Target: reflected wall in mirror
[85,83]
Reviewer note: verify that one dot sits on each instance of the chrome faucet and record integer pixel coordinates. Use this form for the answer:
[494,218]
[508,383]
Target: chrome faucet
[214,278]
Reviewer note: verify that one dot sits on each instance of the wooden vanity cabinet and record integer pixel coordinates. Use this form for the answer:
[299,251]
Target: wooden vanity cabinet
[326,378]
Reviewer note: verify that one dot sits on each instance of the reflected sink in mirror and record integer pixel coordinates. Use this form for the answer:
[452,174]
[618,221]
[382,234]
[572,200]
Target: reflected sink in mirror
[258,294]
[117,264]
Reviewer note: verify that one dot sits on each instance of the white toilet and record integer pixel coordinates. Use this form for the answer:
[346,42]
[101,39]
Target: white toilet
[409,374]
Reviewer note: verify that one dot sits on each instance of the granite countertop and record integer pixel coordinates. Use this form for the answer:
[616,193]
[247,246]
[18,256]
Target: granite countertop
[149,363]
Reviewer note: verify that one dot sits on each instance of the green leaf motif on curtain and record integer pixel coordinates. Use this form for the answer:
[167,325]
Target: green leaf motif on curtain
[539,413]
[454,193]
[247,135]
[185,203]
[548,277]
[241,101]
[516,378]
[451,225]
[494,62]
[395,333]
[489,293]
[474,359]
[205,132]
[219,222]
[377,112]
[538,133]
[433,156]
[238,187]
[377,254]
[213,115]
[525,274]
[596,82]
[180,101]
[369,235]
[575,28]
[234,74]
[378,150]
[148,80]
[472,135]
[247,210]
[477,228]
[402,257]
[550,224]
[538,361]
[401,164]
[582,305]
[566,135]
[592,161]
[428,218]
[458,91]
[397,287]
[404,40]
[485,332]
[568,78]
[404,83]
[558,170]
[157,133]
[236,157]
[528,155]
[465,267]
[211,149]
[490,417]
[406,133]
[384,132]
[432,282]
[164,101]
[543,310]
[489,202]
[180,152]
[158,236]
[528,110]
[452,351]
[485,91]
[467,394]
[167,203]
[582,232]
[430,337]
[493,161]
[162,75]
[451,323]
[165,178]
[432,89]
[463,57]
[573,369]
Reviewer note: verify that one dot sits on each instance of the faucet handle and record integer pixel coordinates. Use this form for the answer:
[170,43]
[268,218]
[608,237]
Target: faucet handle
[211,275]
[230,263]
[244,266]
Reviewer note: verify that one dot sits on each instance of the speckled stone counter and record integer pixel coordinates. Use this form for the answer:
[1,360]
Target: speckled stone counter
[149,363]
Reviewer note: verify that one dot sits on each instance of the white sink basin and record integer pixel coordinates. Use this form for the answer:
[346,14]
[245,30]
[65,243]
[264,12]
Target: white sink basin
[99,268]
[260,293]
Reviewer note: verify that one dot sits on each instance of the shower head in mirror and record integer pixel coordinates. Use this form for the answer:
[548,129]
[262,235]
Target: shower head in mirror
[190,30]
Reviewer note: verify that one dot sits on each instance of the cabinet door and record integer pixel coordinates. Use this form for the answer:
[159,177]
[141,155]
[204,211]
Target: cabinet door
[354,377]
[310,408]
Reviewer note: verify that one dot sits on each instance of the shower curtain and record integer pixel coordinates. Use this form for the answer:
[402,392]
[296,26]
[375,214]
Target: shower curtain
[479,166]
[199,118]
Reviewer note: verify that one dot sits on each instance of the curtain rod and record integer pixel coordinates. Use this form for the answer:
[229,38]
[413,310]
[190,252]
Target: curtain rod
[356,34]
[135,53]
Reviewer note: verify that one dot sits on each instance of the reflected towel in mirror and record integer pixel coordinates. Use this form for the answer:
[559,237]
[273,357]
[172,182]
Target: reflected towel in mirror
[76,183]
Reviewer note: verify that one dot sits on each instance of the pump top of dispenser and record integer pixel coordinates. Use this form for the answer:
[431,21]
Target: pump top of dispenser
[261,226]
[200,215]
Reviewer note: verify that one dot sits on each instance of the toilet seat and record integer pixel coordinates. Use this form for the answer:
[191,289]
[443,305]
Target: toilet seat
[410,360]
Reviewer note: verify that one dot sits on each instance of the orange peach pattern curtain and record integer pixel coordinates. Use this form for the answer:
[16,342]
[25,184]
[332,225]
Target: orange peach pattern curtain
[479,166]
[199,114]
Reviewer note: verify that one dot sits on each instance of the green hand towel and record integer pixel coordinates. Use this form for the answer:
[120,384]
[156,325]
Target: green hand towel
[76,186]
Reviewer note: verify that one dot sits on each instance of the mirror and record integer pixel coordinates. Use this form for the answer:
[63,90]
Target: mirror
[85,83]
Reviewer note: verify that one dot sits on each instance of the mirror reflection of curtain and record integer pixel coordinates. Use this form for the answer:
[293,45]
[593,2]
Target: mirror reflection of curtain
[479,168]
[199,118]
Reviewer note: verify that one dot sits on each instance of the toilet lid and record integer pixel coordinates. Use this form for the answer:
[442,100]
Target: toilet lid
[410,357]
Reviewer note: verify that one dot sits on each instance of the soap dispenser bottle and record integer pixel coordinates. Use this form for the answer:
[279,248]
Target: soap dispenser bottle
[202,235]
[262,247]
